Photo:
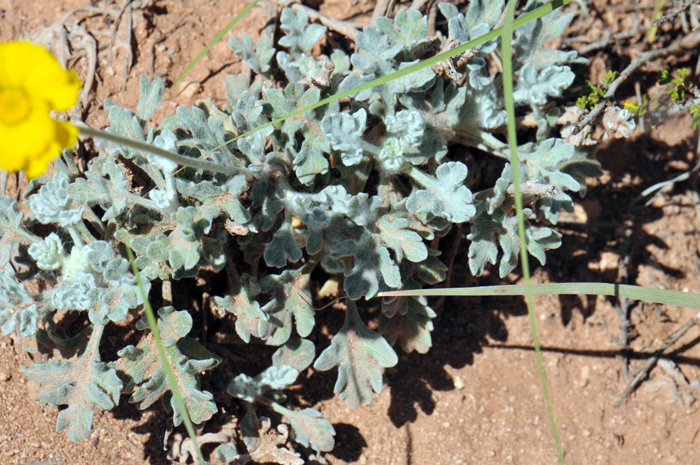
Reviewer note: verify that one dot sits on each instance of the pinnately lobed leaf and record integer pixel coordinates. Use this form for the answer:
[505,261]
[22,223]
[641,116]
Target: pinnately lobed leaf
[359,353]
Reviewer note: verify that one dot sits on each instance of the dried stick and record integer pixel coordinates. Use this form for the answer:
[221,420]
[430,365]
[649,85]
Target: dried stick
[419,4]
[382,8]
[623,306]
[688,42]
[608,37]
[682,8]
[345,28]
[116,28]
[87,43]
[644,372]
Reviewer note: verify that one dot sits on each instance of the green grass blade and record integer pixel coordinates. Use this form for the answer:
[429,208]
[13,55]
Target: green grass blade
[513,145]
[214,40]
[152,323]
[651,32]
[659,296]
[537,13]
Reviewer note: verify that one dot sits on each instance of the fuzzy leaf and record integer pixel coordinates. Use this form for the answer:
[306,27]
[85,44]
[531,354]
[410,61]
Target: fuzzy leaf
[83,386]
[374,270]
[446,196]
[208,134]
[411,28]
[17,308]
[250,318]
[344,132]
[456,23]
[53,203]
[534,88]
[283,247]
[272,379]
[440,114]
[483,248]
[11,229]
[398,237]
[483,108]
[297,353]
[309,428]
[431,270]
[217,199]
[290,291]
[258,56]
[299,37]
[149,97]
[528,43]
[488,11]
[143,371]
[97,281]
[359,354]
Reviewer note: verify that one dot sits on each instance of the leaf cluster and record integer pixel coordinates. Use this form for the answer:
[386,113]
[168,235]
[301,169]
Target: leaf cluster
[355,192]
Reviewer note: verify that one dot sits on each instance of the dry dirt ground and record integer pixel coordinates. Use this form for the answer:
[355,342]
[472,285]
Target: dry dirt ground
[476,397]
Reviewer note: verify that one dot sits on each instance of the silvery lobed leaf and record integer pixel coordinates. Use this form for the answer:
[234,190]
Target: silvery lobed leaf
[444,196]
[283,247]
[53,203]
[290,291]
[394,232]
[11,230]
[359,353]
[251,319]
[17,307]
[300,36]
[142,370]
[258,56]
[297,353]
[344,132]
[488,11]
[528,43]
[483,248]
[149,97]
[309,428]
[534,87]
[83,386]
[410,31]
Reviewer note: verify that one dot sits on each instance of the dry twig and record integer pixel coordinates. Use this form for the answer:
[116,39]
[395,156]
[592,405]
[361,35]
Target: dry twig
[644,372]
[382,8]
[689,42]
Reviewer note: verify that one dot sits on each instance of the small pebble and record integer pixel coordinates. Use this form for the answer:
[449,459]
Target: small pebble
[4,376]
[446,424]
[459,382]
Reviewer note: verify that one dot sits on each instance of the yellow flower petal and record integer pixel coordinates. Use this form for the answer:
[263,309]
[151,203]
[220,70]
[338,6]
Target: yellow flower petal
[30,146]
[33,69]
[32,83]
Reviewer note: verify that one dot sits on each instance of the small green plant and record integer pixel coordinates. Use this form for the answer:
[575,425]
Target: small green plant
[695,116]
[355,191]
[635,108]
[680,83]
[593,93]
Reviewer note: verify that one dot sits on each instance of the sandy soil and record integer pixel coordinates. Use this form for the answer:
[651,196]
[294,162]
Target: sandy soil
[476,397]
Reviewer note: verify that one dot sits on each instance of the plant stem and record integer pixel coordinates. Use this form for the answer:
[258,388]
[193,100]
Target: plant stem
[172,156]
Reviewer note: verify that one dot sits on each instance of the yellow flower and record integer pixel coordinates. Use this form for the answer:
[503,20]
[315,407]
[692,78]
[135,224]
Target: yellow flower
[32,83]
